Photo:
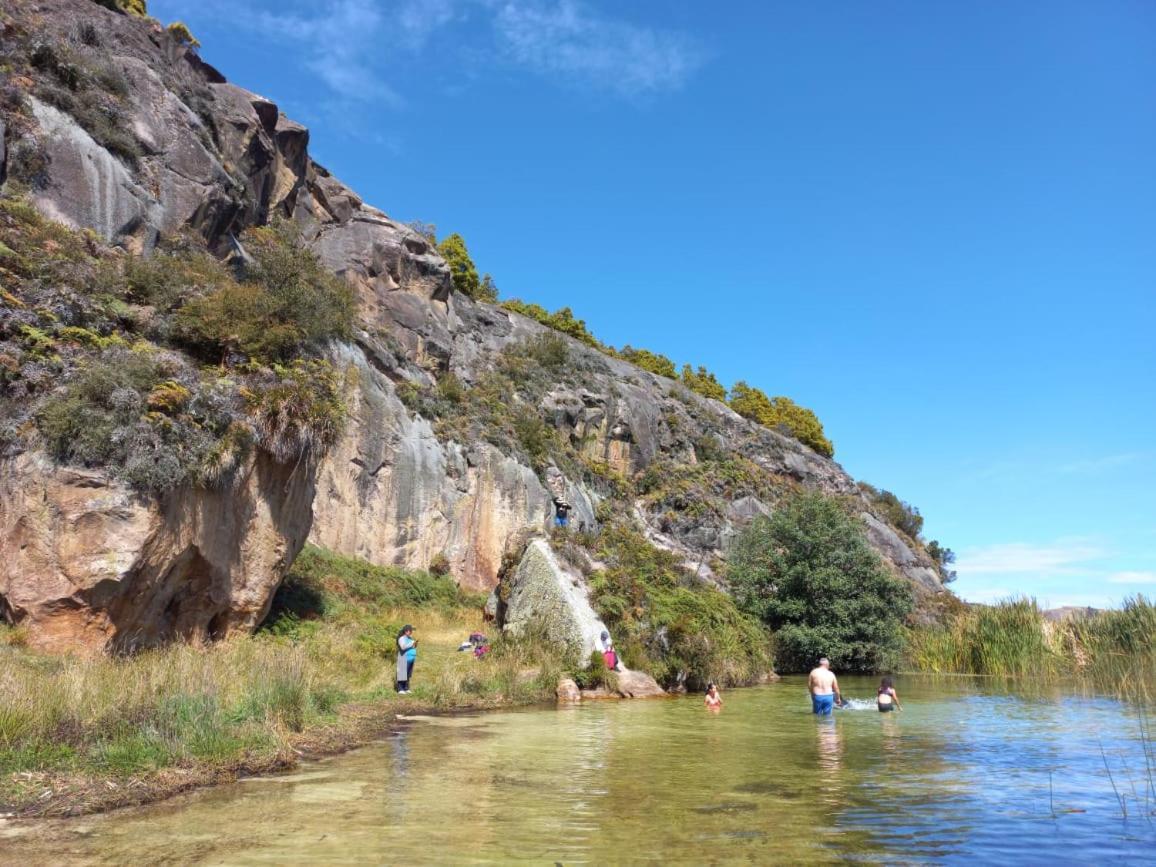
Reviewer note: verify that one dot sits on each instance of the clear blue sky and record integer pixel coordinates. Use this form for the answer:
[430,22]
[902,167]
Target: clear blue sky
[933,223]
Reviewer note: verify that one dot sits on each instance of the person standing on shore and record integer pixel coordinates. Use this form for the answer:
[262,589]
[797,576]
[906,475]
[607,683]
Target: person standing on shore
[406,655]
[824,688]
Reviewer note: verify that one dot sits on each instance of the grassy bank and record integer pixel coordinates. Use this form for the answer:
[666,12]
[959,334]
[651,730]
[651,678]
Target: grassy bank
[83,734]
[1113,650]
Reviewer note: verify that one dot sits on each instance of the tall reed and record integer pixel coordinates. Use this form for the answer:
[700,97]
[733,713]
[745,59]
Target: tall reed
[1013,638]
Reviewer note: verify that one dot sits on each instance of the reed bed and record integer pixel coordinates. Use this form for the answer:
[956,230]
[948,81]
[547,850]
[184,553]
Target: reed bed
[1113,649]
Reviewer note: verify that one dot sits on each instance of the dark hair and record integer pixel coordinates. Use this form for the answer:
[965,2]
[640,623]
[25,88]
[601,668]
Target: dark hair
[710,686]
[404,630]
[886,683]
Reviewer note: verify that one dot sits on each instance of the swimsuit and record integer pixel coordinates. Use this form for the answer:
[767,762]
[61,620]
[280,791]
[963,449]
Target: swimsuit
[823,704]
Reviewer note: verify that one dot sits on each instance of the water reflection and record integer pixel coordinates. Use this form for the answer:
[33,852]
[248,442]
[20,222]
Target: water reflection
[830,746]
[961,773]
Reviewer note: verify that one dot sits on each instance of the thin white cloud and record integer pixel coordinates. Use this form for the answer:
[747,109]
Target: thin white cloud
[339,39]
[350,44]
[568,39]
[1095,466]
[1133,577]
[1058,558]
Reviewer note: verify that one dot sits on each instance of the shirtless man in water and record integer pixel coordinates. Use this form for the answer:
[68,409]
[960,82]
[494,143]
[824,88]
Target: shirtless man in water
[824,688]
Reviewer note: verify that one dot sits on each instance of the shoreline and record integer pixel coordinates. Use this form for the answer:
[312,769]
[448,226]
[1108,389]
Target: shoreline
[49,795]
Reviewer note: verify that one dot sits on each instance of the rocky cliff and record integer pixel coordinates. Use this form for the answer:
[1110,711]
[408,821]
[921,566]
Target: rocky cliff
[464,419]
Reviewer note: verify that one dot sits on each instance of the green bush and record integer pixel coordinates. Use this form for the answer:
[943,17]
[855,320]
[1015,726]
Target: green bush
[781,413]
[322,584]
[809,574]
[667,622]
[649,361]
[703,382]
[548,351]
[903,516]
[181,33]
[137,8]
[287,303]
[297,409]
[465,274]
[562,320]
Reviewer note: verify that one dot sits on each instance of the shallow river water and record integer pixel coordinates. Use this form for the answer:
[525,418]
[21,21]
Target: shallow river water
[965,772]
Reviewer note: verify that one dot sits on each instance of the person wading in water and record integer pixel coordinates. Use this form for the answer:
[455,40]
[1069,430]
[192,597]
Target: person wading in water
[824,688]
[406,654]
[887,699]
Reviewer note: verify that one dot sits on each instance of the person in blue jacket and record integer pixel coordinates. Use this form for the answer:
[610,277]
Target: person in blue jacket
[406,654]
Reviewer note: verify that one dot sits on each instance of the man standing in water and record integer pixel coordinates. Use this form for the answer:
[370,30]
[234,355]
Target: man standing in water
[824,688]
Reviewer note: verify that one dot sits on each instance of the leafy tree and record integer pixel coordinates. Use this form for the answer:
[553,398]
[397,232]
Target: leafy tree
[703,382]
[647,360]
[488,291]
[781,413]
[943,557]
[453,250]
[809,574]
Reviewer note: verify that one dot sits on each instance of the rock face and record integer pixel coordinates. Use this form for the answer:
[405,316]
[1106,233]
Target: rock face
[89,564]
[543,594]
[567,691]
[85,562]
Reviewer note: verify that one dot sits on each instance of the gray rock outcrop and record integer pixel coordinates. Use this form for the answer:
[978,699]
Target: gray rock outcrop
[543,594]
[84,561]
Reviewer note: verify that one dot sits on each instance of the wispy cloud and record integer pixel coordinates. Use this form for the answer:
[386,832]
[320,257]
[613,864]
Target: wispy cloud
[1095,466]
[1020,558]
[353,46]
[1133,577]
[338,38]
[570,40]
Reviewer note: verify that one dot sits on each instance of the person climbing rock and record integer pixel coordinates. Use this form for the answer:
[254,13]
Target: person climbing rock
[609,654]
[561,512]
[406,656]
[824,688]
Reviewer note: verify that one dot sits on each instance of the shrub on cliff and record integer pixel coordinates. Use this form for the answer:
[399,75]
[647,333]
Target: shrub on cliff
[139,8]
[649,361]
[562,320]
[703,382]
[668,623]
[901,515]
[781,413]
[465,274]
[287,303]
[809,574]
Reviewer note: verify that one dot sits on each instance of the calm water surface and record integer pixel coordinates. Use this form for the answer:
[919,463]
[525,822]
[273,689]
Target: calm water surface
[965,772]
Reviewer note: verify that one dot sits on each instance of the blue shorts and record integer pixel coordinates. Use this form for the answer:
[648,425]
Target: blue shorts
[823,704]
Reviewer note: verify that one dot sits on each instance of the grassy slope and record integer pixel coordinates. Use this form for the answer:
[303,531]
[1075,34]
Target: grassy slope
[78,735]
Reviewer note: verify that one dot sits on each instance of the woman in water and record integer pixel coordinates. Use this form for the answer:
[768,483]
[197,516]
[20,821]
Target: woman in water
[887,699]
[713,698]
[406,654]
